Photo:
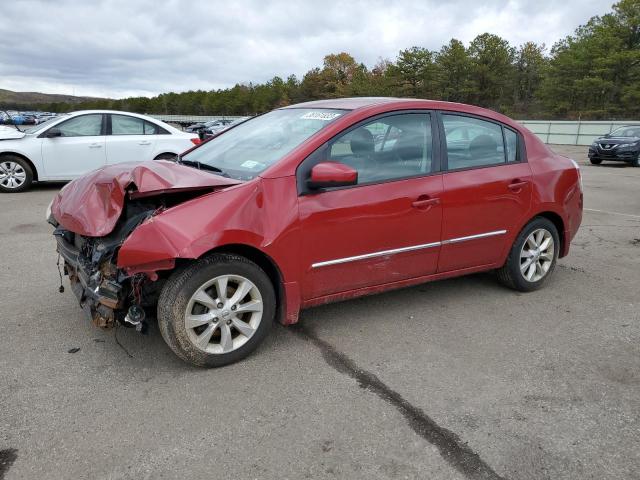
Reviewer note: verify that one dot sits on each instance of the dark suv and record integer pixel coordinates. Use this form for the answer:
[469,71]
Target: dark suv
[621,145]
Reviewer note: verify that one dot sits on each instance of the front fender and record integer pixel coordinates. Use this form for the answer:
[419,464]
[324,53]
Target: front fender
[256,214]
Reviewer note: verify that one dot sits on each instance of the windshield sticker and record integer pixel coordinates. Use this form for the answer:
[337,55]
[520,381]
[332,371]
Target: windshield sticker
[250,164]
[325,116]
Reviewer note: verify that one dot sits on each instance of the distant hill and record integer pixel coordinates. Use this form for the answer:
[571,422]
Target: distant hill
[10,99]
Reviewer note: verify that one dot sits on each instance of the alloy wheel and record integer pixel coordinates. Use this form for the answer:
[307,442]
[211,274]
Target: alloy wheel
[12,175]
[537,255]
[223,314]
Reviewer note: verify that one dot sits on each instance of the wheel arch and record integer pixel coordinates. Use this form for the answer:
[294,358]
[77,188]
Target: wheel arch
[160,155]
[34,170]
[266,263]
[558,222]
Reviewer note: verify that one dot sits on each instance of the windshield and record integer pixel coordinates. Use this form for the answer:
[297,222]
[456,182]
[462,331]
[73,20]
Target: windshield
[246,150]
[626,132]
[37,128]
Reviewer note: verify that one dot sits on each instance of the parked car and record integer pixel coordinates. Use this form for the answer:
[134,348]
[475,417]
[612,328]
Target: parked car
[214,130]
[43,117]
[621,145]
[209,127]
[29,119]
[208,133]
[16,119]
[303,206]
[67,146]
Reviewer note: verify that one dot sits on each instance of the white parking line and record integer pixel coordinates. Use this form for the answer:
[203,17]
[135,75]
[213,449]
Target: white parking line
[612,213]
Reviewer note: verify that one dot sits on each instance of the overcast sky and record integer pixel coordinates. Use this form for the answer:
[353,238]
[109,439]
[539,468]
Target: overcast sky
[119,48]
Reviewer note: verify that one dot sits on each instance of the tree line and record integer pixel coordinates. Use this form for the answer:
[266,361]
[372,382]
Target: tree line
[592,74]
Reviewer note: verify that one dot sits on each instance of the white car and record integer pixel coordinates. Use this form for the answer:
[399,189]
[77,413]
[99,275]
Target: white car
[71,145]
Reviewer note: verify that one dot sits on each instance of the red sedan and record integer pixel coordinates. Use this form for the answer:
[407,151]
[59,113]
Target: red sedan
[309,204]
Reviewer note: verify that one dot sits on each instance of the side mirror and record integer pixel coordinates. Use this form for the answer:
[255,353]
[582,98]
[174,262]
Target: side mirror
[53,132]
[332,174]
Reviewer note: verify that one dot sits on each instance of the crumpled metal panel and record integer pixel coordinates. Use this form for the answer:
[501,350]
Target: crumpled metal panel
[92,204]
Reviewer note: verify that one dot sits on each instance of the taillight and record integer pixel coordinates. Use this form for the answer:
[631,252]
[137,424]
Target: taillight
[196,141]
[577,167]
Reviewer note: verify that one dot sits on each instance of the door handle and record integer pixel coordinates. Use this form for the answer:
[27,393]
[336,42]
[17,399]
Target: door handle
[95,145]
[517,185]
[144,142]
[425,203]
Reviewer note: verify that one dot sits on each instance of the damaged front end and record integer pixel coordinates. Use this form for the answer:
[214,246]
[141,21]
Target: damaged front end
[105,292]
[93,216]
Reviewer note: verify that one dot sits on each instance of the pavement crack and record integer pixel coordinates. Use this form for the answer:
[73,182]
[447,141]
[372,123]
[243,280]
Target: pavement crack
[452,449]
[7,457]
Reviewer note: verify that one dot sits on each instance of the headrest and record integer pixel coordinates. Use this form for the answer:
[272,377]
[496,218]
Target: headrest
[362,142]
[483,144]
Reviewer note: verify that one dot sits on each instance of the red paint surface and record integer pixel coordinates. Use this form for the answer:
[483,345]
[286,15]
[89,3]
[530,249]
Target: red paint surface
[294,232]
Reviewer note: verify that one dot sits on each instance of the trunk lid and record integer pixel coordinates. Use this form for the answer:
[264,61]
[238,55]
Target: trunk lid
[92,204]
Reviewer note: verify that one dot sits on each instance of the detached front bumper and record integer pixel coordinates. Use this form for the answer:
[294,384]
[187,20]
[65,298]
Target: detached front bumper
[100,294]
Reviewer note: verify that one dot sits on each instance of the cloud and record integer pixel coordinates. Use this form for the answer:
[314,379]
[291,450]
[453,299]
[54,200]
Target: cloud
[119,48]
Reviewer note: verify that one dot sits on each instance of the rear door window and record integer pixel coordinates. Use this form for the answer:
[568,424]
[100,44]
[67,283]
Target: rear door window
[471,142]
[511,141]
[126,125]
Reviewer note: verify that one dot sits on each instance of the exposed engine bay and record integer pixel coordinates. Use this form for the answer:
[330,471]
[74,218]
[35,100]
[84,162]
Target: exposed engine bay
[110,295]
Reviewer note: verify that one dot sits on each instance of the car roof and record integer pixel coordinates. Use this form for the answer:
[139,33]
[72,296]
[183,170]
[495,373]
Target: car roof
[347,103]
[118,112]
[84,112]
[115,112]
[357,103]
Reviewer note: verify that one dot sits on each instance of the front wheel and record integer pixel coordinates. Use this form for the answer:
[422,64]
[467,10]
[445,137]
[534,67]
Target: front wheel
[635,162]
[533,256]
[216,311]
[15,174]
[595,161]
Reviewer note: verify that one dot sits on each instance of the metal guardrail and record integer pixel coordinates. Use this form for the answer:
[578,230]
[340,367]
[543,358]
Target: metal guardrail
[572,132]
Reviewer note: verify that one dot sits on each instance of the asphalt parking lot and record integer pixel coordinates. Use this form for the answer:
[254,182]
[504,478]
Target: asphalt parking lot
[450,380]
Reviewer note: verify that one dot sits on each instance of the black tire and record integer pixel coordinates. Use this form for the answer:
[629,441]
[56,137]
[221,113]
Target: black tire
[510,274]
[635,162]
[595,161]
[166,156]
[183,283]
[13,159]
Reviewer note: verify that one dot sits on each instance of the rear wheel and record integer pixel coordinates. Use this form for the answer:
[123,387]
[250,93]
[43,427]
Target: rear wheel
[595,161]
[533,256]
[217,310]
[15,174]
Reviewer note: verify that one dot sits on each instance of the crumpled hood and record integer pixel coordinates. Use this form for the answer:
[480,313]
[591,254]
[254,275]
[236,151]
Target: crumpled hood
[91,205]
[10,133]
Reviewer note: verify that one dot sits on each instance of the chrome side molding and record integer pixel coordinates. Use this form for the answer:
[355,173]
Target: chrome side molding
[393,251]
[474,237]
[375,254]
